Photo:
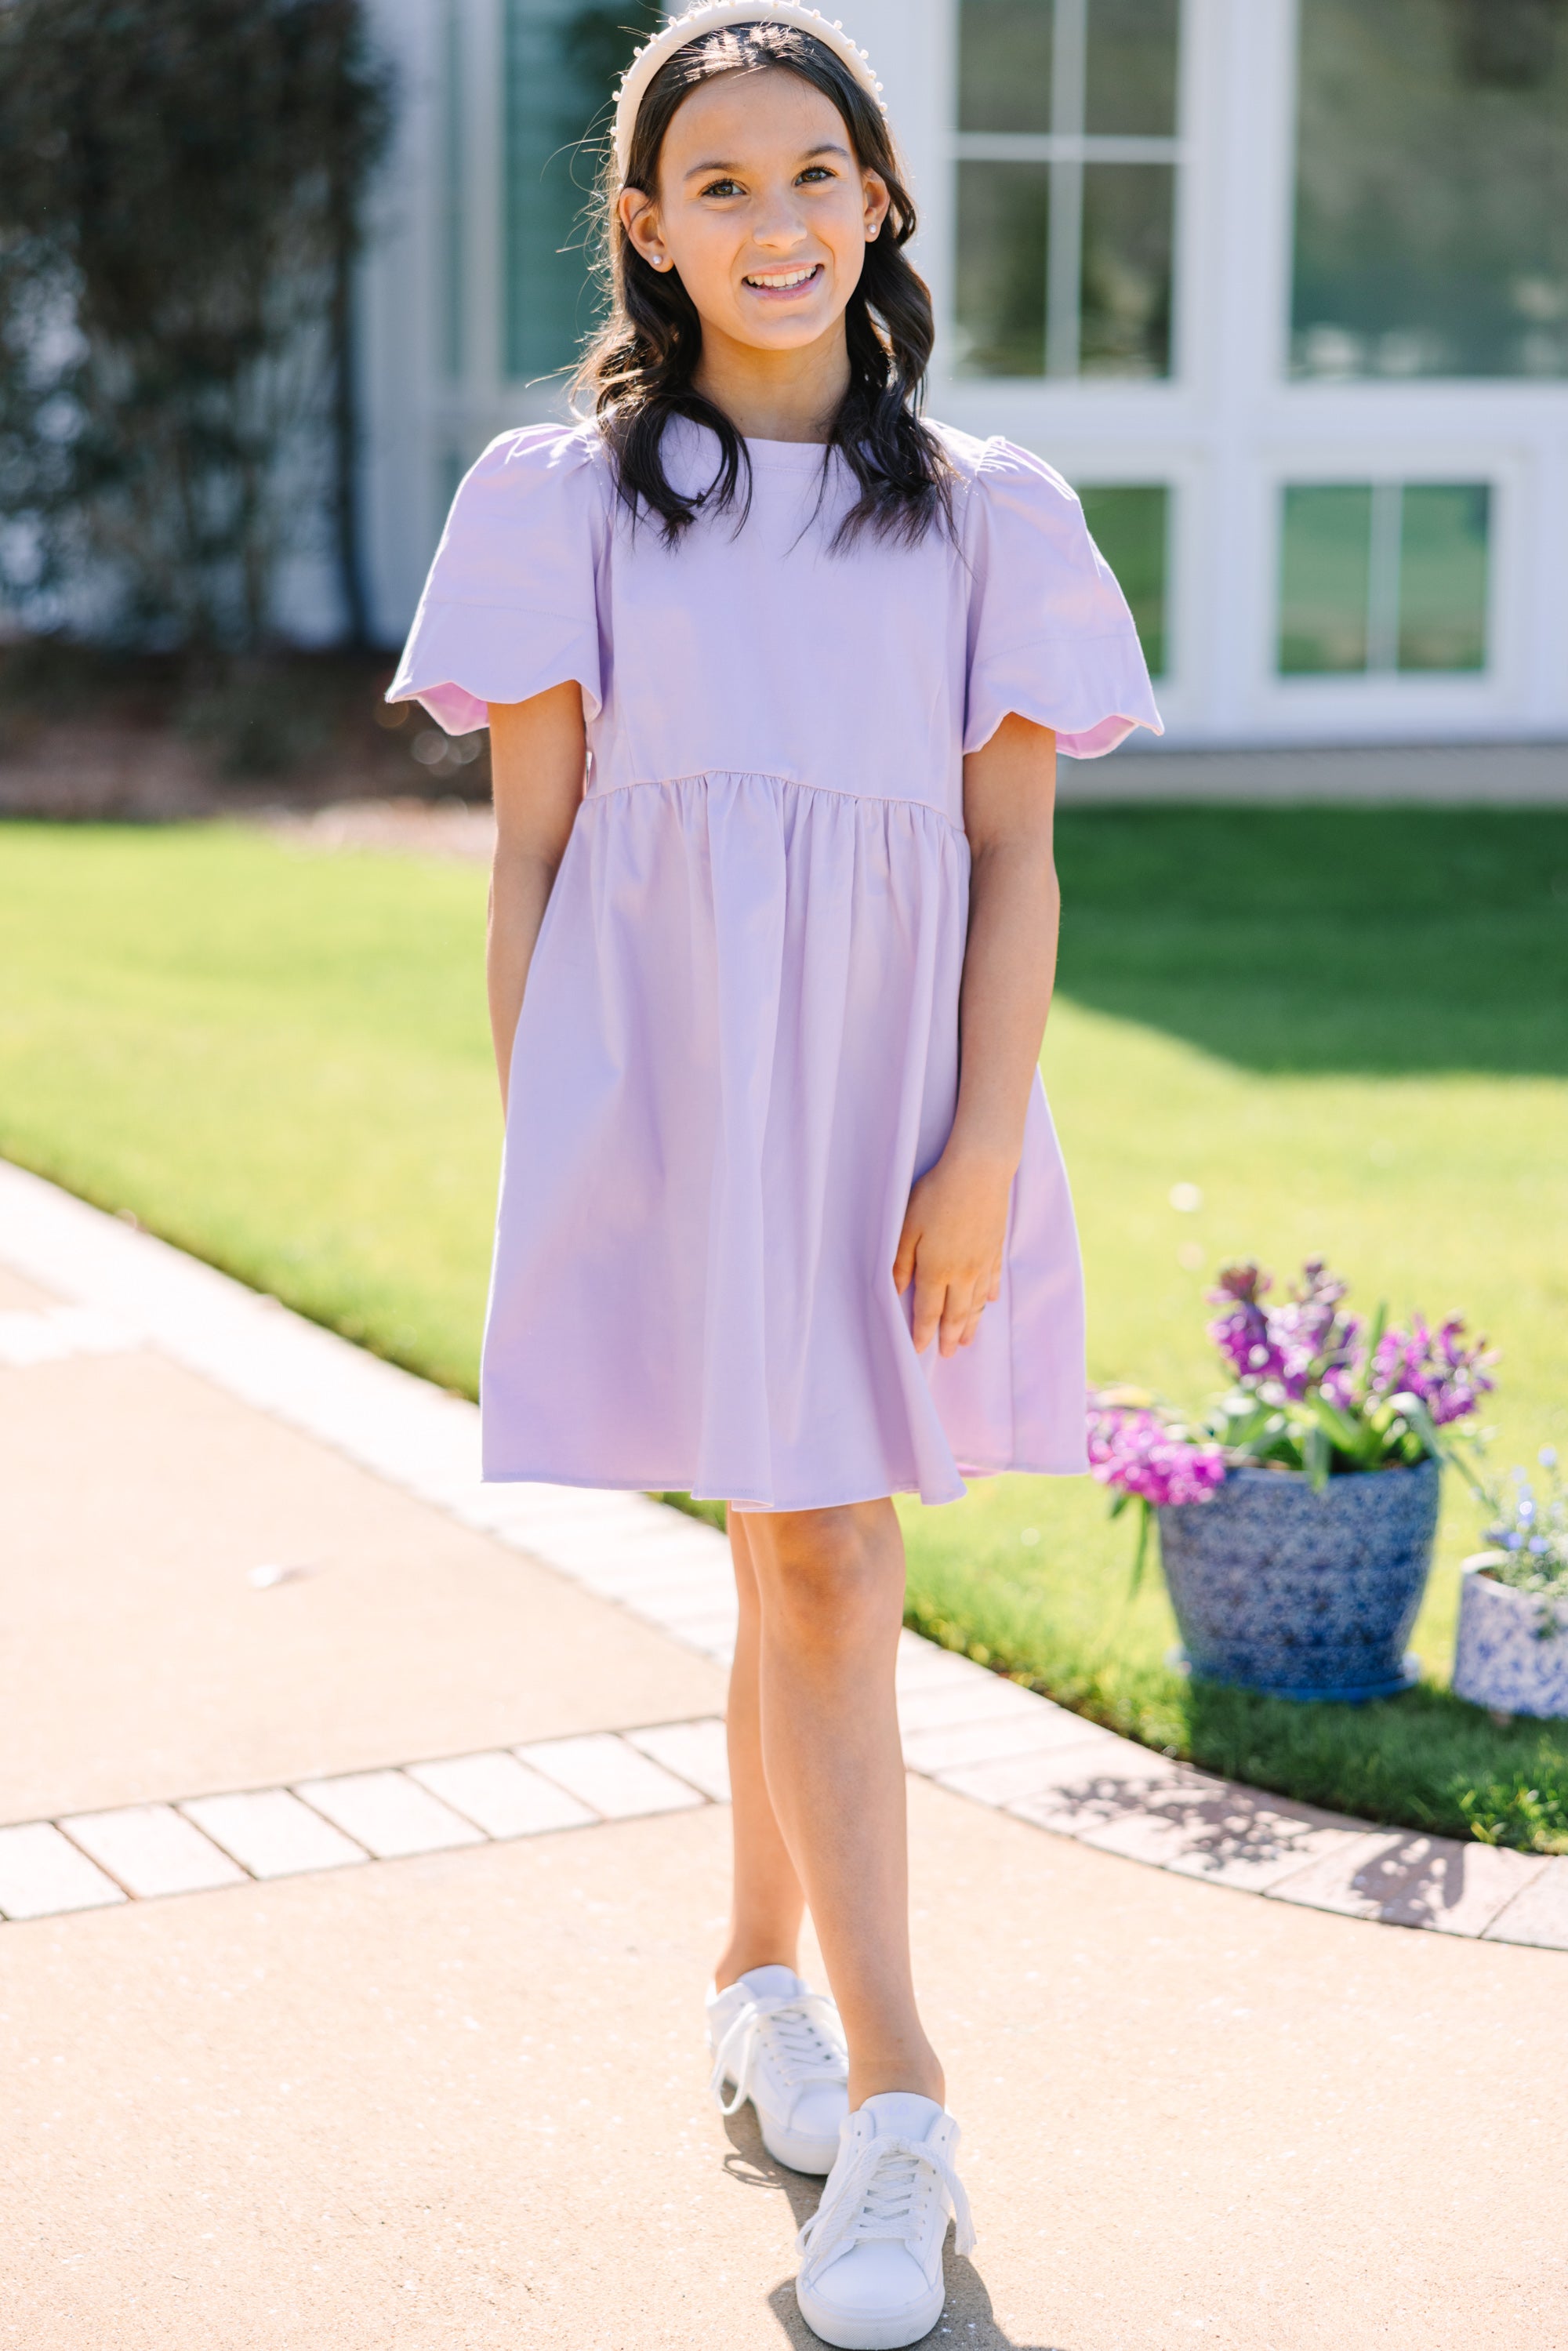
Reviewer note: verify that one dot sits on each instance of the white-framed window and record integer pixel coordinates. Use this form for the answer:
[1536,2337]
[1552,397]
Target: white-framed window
[1383,578]
[451,206]
[1068,154]
[1431,198]
[559,61]
[1130,523]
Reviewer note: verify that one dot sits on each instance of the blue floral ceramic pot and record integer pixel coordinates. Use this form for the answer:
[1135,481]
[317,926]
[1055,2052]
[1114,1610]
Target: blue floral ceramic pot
[1513,1648]
[1306,1595]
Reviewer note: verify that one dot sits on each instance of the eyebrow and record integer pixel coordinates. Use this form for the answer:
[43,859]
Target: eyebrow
[827,147]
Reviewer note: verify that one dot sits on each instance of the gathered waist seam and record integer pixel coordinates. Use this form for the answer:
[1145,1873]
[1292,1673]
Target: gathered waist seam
[765,776]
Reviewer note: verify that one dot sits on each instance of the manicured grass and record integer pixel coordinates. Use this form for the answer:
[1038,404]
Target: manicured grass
[1347,1029]
[279,1060]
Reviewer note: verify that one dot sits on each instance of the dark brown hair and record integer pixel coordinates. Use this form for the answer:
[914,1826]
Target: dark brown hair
[638,371]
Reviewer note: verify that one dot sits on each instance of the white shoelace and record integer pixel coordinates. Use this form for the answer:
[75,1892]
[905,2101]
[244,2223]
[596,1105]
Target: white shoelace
[882,2191]
[802,2048]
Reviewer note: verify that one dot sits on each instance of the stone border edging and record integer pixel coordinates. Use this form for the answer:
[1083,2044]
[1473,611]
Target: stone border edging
[964,1728]
[139,1853]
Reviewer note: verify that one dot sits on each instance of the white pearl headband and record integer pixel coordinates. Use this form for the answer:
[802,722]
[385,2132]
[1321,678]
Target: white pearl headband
[713,17]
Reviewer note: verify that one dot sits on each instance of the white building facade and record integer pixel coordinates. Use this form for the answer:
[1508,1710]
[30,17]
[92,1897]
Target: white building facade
[1280,285]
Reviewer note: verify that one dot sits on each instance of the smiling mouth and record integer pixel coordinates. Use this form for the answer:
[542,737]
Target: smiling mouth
[782,281]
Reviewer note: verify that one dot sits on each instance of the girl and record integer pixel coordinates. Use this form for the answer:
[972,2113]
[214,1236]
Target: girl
[776,674]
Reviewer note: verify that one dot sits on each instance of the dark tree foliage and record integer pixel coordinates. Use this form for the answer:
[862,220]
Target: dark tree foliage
[180,193]
[1510,44]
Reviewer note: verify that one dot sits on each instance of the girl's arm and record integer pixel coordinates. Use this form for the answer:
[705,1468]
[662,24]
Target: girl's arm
[954,1230]
[538,758]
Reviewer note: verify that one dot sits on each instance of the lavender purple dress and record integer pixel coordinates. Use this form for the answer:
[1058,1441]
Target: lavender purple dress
[739,1043]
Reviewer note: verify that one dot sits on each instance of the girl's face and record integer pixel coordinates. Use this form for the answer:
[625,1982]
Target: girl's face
[762,209]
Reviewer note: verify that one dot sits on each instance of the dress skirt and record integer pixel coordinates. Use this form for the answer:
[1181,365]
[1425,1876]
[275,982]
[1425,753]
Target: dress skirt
[740,1029]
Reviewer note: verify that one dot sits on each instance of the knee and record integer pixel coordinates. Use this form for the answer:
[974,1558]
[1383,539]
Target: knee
[825,1578]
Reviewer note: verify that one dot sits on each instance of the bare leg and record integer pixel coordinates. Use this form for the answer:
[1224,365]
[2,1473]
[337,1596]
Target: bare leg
[830,1597]
[767,1902]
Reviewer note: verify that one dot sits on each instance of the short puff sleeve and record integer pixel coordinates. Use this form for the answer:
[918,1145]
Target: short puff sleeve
[1051,636]
[510,607]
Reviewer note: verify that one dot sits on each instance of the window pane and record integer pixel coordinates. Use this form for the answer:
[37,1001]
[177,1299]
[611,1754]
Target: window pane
[1130,527]
[453,240]
[1443,575]
[1432,189]
[561,59]
[1133,49]
[1127,296]
[1004,64]
[1004,213]
[1326,575]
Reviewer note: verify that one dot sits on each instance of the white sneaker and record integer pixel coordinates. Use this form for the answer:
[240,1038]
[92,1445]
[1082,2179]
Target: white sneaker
[870,2272]
[782,2046]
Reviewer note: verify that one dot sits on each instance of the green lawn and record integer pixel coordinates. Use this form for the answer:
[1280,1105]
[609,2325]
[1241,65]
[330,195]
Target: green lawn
[1350,1030]
[277,1060]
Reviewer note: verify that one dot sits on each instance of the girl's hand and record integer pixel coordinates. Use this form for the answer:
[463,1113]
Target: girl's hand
[954,1229]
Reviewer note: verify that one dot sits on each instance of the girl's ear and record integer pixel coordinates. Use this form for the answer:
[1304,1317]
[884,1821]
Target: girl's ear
[878,204]
[640,219]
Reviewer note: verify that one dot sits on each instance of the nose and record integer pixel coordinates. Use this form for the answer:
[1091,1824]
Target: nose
[778,226]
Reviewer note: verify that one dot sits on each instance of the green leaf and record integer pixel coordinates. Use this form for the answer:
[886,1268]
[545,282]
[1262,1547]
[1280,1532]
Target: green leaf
[1422,1427]
[1144,1522]
[1375,1329]
[1284,1449]
[1341,1428]
[1317,1456]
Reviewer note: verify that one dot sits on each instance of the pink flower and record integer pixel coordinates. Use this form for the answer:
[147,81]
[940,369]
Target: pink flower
[1243,1332]
[1280,1352]
[1384,1402]
[1138,1453]
[1447,1374]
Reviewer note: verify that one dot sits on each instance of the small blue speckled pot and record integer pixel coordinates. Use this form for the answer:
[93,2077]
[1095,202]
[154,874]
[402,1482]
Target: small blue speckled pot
[1306,1595]
[1511,1653]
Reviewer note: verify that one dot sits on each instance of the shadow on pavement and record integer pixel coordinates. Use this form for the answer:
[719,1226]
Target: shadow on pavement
[749,2163]
[1318,941]
[1189,1821]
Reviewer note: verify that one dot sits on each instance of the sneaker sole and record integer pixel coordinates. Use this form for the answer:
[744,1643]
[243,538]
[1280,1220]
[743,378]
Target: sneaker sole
[794,2150]
[867,2330]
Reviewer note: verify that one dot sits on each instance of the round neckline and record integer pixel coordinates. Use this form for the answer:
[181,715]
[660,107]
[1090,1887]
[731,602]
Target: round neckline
[786,453]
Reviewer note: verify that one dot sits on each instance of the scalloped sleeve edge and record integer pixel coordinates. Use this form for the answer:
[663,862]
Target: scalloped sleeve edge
[461,657]
[1093,691]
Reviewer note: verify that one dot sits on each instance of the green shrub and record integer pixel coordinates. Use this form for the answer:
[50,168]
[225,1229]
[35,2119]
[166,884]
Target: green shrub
[180,188]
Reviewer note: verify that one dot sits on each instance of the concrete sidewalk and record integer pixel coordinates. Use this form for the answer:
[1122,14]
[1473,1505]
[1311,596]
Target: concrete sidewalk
[441,2082]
